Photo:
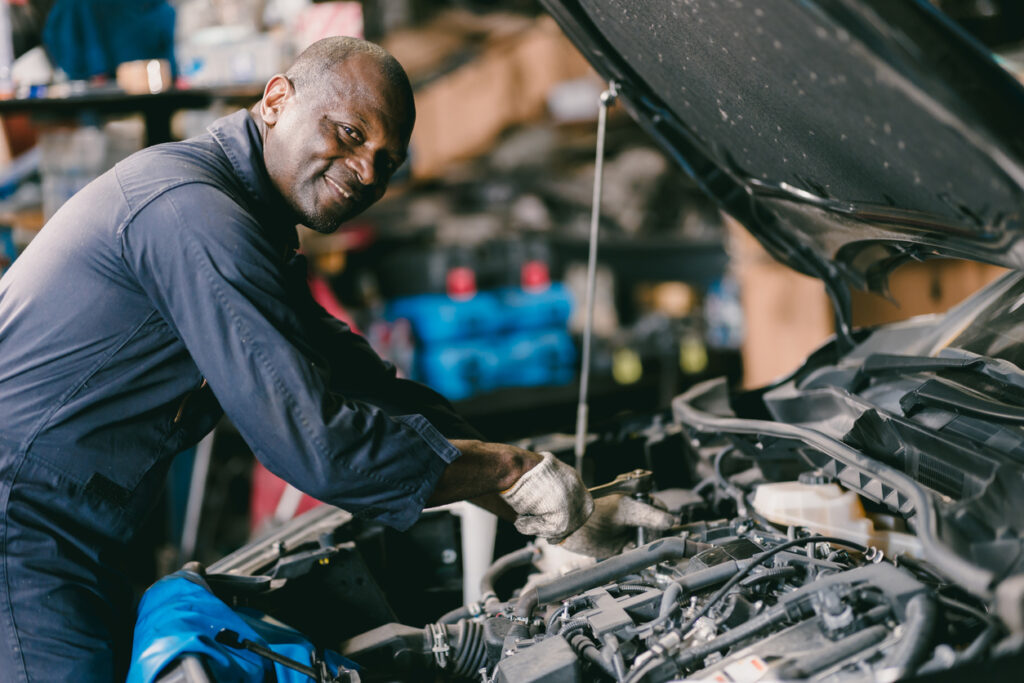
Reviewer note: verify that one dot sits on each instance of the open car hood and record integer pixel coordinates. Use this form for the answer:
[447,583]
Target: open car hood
[848,136]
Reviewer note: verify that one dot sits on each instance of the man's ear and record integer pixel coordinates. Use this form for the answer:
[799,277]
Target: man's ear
[276,95]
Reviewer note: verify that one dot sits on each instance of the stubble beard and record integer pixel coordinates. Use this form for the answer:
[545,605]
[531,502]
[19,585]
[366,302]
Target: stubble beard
[322,220]
[322,223]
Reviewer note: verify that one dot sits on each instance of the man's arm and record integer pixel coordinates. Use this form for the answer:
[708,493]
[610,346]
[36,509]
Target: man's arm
[483,469]
[481,473]
[219,284]
[357,371]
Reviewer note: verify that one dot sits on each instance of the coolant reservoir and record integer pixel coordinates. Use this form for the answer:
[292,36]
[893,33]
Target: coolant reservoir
[830,510]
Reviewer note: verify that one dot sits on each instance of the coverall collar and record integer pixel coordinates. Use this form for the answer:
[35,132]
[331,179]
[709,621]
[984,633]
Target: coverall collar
[239,137]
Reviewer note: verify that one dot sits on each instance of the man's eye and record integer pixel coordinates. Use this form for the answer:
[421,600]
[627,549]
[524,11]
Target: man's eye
[352,133]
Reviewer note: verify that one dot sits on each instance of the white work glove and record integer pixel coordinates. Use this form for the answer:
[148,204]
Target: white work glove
[550,500]
[614,524]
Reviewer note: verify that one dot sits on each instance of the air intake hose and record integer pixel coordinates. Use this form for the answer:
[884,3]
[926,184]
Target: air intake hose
[459,649]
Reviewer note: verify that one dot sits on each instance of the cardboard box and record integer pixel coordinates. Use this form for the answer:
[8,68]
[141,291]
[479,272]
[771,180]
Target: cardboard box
[787,315]
[450,36]
[462,113]
[918,288]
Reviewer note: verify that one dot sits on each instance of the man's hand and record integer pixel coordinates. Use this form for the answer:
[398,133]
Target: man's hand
[550,500]
[613,525]
[544,497]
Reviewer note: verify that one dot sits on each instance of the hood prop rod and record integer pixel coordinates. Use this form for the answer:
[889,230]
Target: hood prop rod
[582,410]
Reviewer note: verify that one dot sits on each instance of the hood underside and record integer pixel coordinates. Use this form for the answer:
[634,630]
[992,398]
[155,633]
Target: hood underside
[847,135]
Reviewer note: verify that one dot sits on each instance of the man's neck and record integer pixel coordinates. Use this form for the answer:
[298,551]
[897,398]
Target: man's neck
[254,112]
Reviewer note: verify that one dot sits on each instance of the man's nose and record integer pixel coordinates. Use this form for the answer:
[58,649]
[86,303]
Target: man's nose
[362,165]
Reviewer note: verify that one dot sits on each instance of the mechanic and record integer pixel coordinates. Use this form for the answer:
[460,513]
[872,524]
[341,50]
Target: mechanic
[168,292]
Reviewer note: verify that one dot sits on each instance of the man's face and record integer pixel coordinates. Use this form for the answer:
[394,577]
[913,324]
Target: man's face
[331,149]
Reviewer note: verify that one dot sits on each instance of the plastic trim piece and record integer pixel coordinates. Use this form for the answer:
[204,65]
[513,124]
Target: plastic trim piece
[852,469]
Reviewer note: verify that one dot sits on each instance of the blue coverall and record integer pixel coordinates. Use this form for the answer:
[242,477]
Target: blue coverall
[164,291]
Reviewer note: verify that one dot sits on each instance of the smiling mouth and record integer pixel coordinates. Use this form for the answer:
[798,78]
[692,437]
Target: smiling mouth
[343,190]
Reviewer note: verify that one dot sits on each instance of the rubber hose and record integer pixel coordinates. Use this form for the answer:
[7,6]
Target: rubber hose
[526,603]
[813,662]
[613,568]
[668,601]
[516,558]
[979,646]
[469,649]
[774,615]
[588,650]
[709,576]
[454,616]
[917,632]
[650,665]
[696,581]
[876,613]
[612,650]
[522,613]
[632,588]
[768,574]
[984,640]
[573,625]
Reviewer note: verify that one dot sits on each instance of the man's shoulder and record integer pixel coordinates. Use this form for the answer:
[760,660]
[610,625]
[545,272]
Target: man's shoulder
[156,170]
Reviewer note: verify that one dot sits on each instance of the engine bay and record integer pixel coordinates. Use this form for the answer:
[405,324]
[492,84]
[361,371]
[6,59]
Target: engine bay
[775,571]
[733,598]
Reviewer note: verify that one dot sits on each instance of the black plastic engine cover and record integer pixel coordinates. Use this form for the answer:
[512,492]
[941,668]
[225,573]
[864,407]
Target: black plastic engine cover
[550,661]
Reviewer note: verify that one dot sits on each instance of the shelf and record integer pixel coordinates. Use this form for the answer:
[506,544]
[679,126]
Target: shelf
[652,258]
[519,412]
[157,108]
[516,413]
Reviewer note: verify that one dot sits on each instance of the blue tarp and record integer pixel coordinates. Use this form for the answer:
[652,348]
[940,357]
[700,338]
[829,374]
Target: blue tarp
[88,38]
[179,615]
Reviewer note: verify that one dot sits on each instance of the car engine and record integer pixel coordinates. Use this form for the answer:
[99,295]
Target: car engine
[737,591]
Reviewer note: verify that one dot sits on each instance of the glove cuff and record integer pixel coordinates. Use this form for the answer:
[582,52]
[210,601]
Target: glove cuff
[549,499]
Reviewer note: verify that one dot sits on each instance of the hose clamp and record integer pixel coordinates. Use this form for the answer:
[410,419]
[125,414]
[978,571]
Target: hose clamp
[439,645]
[874,555]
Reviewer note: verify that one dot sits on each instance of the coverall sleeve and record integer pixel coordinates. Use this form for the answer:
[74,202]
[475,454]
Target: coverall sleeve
[358,372]
[220,282]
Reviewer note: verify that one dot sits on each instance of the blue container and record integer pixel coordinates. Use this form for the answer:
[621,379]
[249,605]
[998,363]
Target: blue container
[531,359]
[8,252]
[461,369]
[180,616]
[548,308]
[723,314]
[437,317]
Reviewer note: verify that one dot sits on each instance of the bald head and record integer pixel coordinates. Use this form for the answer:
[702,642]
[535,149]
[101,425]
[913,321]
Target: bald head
[322,60]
